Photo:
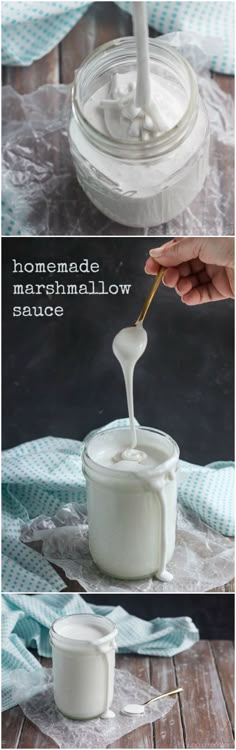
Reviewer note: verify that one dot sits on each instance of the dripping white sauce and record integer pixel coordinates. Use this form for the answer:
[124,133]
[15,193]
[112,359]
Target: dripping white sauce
[128,346]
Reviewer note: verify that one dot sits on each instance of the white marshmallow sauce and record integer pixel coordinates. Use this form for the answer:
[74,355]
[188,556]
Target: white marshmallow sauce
[128,346]
[83,653]
[137,103]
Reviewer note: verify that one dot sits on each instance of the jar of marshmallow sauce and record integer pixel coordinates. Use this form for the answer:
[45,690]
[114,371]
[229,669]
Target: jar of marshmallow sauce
[83,655]
[134,182]
[131,506]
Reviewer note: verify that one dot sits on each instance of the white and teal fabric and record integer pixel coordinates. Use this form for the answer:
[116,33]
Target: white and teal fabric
[26,621]
[41,476]
[31,29]
[9,224]
[209,490]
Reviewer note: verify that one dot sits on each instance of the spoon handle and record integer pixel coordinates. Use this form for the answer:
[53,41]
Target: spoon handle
[143,86]
[149,299]
[163,695]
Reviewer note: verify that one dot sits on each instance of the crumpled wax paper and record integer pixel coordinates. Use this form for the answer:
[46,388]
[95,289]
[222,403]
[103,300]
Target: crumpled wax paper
[203,558]
[39,707]
[40,189]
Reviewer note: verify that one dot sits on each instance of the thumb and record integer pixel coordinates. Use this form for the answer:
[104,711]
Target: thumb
[177,251]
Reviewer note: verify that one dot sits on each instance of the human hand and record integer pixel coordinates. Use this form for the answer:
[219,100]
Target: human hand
[200,269]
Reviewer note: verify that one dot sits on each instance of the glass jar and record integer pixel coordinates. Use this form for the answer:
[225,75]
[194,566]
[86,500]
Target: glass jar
[139,183]
[131,513]
[83,656]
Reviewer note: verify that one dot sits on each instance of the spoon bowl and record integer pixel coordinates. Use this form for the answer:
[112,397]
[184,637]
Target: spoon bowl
[139,708]
[129,344]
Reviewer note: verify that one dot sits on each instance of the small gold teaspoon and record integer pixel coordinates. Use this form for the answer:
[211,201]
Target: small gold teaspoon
[139,708]
[163,695]
[149,299]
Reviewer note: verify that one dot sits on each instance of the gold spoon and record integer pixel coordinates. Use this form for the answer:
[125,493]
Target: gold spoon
[136,708]
[149,299]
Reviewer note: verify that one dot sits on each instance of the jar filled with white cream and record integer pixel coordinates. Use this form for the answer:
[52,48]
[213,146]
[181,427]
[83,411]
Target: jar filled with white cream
[83,655]
[135,181]
[131,503]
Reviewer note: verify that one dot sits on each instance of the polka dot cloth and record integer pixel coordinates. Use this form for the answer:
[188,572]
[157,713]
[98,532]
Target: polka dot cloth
[40,476]
[212,20]
[9,225]
[31,29]
[209,490]
[26,622]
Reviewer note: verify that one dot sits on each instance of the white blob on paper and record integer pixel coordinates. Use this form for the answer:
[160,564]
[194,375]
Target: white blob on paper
[133,708]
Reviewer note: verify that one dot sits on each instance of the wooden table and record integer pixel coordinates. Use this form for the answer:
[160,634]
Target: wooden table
[103,22]
[201,718]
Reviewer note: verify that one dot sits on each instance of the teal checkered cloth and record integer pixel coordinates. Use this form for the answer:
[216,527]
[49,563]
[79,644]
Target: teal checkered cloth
[40,476]
[26,621]
[32,29]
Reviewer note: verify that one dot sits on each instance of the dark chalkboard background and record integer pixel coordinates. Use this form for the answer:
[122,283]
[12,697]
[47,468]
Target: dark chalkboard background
[60,377]
[213,614]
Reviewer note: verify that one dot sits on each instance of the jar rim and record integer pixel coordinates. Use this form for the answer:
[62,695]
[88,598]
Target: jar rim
[162,141]
[63,640]
[163,466]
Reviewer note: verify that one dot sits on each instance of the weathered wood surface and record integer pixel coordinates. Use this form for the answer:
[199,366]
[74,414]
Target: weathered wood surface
[168,732]
[12,725]
[202,716]
[205,716]
[223,653]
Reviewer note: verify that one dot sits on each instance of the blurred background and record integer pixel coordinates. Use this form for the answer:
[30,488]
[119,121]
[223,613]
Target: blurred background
[213,614]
